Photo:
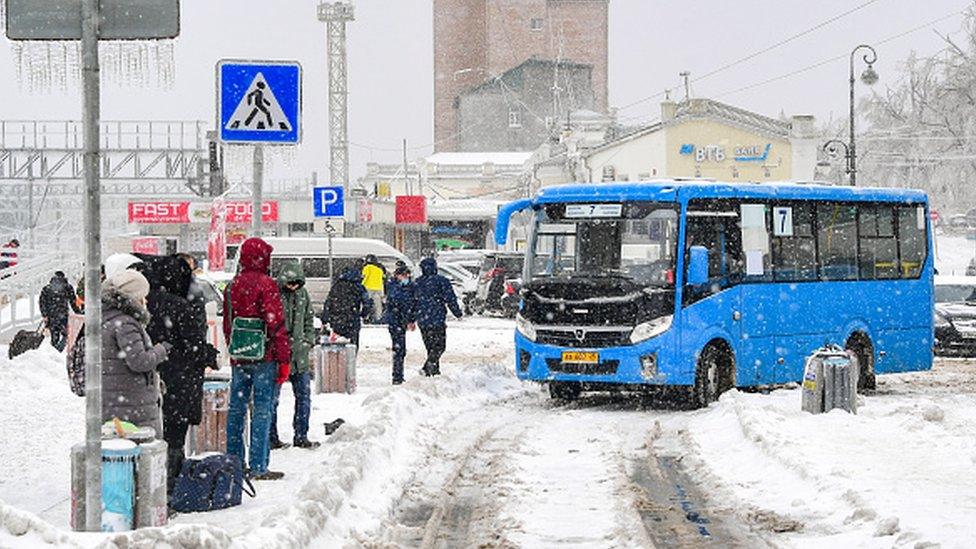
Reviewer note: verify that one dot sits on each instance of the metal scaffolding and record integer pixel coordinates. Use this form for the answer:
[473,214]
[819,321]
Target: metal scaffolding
[336,15]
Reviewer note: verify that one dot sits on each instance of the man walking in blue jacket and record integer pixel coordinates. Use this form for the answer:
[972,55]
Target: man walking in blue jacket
[400,315]
[434,295]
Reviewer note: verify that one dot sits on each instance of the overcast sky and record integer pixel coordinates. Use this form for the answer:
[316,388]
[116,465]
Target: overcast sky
[390,63]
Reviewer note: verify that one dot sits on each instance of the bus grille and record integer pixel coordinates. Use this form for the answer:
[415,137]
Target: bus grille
[583,338]
[607,367]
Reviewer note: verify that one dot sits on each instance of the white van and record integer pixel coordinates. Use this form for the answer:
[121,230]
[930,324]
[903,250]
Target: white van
[313,253]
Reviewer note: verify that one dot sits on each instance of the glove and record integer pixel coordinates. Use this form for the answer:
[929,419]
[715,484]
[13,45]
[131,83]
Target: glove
[284,369]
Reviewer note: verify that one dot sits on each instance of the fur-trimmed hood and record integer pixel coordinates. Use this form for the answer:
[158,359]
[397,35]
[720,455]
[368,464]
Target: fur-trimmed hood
[113,299]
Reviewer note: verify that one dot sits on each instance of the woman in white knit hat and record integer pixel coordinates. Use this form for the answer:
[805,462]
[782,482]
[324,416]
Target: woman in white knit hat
[130,383]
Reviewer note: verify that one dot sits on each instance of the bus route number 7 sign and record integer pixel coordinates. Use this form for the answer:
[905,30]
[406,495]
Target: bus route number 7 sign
[782,221]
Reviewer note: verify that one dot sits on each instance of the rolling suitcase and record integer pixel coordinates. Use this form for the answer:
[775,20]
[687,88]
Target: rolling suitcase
[335,368]
[26,340]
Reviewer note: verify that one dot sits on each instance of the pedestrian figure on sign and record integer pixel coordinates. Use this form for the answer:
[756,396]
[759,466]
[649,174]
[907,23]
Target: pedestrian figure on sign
[261,105]
[400,316]
[434,296]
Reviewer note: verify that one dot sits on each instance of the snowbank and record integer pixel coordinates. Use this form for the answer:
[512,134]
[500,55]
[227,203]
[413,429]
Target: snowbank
[385,427]
[899,473]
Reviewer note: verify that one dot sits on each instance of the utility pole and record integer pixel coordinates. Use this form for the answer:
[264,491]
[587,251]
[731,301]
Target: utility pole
[686,75]
[257,195]
[336,15]
[406,175]
[91,113]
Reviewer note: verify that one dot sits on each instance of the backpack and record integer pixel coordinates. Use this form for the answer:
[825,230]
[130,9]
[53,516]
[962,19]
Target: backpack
[75,362]
[209,483]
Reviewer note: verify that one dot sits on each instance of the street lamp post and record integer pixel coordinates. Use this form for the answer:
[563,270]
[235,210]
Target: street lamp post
[830,148]
[869,77]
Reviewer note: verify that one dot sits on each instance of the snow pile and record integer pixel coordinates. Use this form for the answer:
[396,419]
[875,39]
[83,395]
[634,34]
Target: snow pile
[900,472]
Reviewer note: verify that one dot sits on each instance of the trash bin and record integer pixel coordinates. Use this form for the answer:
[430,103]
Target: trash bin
[830,381]
[151,484]
[335,368]
[119,458]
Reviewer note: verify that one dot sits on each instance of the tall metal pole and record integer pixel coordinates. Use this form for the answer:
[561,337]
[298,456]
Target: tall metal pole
[91,107]
[257,195]
[869,78]
[336,15]
[406,176]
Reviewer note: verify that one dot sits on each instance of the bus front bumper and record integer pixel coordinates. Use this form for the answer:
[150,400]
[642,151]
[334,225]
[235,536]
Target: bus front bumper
[650,362]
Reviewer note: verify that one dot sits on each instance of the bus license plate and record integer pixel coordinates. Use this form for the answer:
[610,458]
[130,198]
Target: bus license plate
[577,357]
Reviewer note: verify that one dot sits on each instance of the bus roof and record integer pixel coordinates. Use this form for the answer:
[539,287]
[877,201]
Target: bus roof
[669,190]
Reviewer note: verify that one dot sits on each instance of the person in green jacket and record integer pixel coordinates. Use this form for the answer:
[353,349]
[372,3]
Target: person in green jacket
[301,335]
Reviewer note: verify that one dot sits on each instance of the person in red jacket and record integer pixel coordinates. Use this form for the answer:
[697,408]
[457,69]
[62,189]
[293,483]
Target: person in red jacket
[254,294]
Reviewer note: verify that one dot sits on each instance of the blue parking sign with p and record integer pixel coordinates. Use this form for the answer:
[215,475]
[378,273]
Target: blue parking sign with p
[328,202]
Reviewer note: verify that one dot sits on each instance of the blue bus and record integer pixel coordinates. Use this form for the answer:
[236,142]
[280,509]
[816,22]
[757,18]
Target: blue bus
[709,286]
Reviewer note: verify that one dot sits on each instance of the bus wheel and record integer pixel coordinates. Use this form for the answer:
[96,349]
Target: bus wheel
[561,390]
[860,344]
[714,375]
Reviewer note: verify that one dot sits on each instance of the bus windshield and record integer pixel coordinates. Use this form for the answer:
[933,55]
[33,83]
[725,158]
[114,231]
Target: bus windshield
[635,241]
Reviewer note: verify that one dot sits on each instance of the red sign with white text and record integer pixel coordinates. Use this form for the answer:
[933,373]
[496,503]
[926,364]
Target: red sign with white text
[159,212]
[240,212]
[146,245]
[411,209]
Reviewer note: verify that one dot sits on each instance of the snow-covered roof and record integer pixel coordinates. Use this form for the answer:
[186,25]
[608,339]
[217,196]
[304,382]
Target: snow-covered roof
[479,158]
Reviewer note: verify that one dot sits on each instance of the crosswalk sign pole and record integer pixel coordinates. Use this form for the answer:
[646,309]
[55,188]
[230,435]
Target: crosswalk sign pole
[257,194]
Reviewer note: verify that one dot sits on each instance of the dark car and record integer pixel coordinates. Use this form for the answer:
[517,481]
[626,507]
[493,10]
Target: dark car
[955,316]
[499,272]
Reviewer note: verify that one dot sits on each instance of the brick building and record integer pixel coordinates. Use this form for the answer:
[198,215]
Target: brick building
[477,40]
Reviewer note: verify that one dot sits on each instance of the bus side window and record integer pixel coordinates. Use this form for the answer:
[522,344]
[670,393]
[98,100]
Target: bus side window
[912,240]
[878,249]
[837,241]
[755,242]
[715,225]
[794,247]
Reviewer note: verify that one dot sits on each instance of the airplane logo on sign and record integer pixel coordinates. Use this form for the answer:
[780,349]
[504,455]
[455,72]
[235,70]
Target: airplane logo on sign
[259,110]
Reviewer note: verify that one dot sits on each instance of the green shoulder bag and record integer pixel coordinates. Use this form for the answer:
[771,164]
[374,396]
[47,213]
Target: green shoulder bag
[248,336]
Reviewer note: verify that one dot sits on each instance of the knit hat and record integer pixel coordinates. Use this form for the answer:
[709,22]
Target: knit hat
[119,262]
[130,284]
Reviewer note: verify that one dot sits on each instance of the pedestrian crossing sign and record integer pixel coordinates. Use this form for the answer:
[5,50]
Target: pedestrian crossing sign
[259,101]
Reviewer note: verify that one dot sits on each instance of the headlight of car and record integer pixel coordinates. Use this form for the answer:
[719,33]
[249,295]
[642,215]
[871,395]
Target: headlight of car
[941,321]
[525,327]
[647,330]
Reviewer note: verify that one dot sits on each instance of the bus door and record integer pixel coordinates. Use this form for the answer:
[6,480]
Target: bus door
[713,224]
[756,355]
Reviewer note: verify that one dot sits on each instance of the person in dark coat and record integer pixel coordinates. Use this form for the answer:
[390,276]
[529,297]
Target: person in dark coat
[174,322]
[56,300]
[347,305]
[400,317]
[434,295]
[130,382]
[254,294]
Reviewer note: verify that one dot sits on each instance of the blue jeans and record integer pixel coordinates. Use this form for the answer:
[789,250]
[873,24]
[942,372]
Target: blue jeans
[257,380]
[303,406]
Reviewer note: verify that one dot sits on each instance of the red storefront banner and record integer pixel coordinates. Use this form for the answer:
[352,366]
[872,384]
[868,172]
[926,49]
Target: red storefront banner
[217,236]
[411,209]
[145,245]
[240,212]
[159,212]
[148,213]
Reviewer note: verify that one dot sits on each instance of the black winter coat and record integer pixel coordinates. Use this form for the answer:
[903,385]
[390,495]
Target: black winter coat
[56,299]
[347,304]
[174,321]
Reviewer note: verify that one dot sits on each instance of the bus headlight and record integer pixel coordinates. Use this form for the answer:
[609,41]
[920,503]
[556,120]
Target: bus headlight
[647,330]
[525,327]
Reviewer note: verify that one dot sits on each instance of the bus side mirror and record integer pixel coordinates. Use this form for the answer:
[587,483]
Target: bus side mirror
[698,266]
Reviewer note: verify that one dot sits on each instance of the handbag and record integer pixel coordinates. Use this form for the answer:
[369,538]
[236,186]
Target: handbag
[248,336]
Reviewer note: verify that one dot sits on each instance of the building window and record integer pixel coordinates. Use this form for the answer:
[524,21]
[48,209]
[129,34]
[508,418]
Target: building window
[514,118]
[536,23]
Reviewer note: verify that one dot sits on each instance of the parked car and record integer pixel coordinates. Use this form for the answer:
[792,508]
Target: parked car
[465,284]
[496,269]
[470,260]
[960,223]
[955,316]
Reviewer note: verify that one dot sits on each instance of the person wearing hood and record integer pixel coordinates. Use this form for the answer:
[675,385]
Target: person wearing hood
[300,325]
[374,280]
[55,302]
[254,294]
[400,315]
[119,262]
[173,321]
[347,304]
[130,382]
[434,295]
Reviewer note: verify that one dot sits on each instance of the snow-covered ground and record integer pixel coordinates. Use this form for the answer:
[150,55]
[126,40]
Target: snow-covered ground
[953,253]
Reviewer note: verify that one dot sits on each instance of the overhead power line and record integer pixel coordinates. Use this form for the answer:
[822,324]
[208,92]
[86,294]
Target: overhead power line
[765,50]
